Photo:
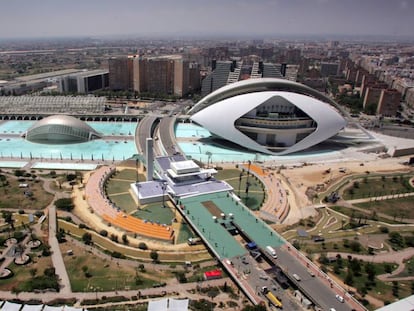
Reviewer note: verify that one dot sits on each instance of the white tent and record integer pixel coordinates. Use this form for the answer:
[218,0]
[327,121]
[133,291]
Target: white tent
[32,308]
[168,304]
[178,304]
[10,306]
[48,308]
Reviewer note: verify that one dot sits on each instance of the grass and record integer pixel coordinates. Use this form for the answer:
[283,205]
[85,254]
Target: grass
[118,186]
[13,197]
[256,193]
[399,208]
[22,273]
[155,213]
[380,290]
[361,215]
[125,201]
[105,275]
[409,268]
[184,233]
[132,252]
[376,186]
[337,246]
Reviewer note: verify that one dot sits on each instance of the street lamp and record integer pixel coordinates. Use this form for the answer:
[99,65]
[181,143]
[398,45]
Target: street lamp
[164,187]
[240,178]
[209,154]
[136,168]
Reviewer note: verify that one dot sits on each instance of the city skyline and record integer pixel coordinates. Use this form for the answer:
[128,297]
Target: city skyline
[185,18]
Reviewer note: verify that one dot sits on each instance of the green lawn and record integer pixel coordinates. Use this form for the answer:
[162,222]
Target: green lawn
[376,186]
[184,233]
[409,268]
[378,289]
[328,246]
[13,197]
[124,201]
[398,208]
[156,213]
[105,275]
[128,174]
[118,186]
[369,214]
[256,194]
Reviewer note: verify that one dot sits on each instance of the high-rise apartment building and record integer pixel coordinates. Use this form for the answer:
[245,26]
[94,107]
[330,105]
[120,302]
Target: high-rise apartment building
[329,69]
[121,73]
[169,74]
[389,102]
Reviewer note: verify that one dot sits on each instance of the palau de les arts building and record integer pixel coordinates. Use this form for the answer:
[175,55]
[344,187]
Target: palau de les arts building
[268,115]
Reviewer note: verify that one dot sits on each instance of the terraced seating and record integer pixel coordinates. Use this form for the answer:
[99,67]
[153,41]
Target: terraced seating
[103,207]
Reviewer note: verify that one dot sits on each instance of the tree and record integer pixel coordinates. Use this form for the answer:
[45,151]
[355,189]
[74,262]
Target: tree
[371,271]
[387,268]
[87,238]
[125,239]
[355,266]
[142,246]
[154,255]
[395,288]
[33,272]
[255,308]
[355,246]
[65,204]
[8,218]
[349,278]
[3,180]
[396,238]
[60,236]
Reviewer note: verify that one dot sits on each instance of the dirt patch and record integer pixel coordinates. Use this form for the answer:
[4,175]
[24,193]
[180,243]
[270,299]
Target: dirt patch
[212,208]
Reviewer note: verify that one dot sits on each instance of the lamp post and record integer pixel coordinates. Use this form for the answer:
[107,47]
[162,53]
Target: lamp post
[247,181]
[136,168]
[209,154]
[164,187]
[240,178]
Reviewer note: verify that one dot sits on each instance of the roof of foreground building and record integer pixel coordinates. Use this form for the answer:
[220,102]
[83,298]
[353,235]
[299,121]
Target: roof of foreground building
[272,116]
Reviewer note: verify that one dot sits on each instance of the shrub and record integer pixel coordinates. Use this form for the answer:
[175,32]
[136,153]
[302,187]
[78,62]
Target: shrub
[383,229]
[103,233]
[65,204]
[142,246]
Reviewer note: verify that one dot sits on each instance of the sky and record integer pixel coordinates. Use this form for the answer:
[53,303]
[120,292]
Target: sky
[205,18]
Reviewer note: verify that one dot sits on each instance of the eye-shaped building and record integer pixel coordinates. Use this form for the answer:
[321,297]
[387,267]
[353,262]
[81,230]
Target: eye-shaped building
[272,116]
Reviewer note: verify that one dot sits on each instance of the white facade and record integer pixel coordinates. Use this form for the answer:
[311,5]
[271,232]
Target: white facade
[268,121]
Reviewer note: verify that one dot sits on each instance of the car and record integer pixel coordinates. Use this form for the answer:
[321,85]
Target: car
[332,309]
[339,298]
[263,276]
[296,277]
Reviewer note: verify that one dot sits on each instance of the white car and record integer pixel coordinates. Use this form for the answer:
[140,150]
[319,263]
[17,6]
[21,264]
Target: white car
[340,298]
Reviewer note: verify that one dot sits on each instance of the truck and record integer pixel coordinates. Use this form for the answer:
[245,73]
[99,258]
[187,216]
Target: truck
[272,298]
[270,250]
[194,241]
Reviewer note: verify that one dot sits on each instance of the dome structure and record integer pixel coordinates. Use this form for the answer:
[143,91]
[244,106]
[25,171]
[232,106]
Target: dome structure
[61,129]
[271,116]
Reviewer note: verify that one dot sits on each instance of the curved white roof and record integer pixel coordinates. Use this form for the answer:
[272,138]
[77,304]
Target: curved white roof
[62,119]
[259,85]
[219,118]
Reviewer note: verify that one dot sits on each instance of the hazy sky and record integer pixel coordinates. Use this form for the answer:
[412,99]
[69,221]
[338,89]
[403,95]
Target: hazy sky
[62,18]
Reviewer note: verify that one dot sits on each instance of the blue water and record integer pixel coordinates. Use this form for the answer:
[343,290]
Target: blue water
[187,130]
[198,150]
[94,150]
